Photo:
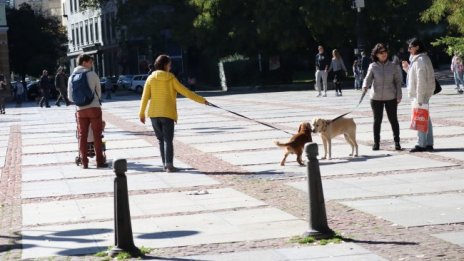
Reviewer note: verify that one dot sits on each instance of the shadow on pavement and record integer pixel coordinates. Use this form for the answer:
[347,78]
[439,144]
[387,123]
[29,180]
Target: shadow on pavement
[371,242]
[168,234]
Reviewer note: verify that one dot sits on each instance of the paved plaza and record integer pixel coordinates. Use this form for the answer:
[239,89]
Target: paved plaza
[232,200]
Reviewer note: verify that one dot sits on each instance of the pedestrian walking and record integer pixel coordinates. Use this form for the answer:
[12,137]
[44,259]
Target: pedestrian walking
[421,85]
[44,88]
[384,81]
[90,114]
[322,66]
[457,68]
[3,93]
[357,73]
[61,85]
[339,71]
[161,90]
[19,87]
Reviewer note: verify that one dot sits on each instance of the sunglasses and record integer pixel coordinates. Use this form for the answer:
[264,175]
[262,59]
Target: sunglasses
[382,52]
[410,47]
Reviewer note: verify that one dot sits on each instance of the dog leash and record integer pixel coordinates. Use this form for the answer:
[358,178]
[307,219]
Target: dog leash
[245,117]
[359,103]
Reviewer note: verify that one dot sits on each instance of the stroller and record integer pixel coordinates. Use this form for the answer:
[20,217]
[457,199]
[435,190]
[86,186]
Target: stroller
[90,144]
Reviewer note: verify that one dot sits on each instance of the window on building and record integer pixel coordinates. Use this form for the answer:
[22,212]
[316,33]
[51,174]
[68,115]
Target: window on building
[81,29]
[76,5]
[108,28]
[113,26]
[103,28]
[91,30]
[77,43]
[73,37]
[96,30]
[71,6]
[87,31]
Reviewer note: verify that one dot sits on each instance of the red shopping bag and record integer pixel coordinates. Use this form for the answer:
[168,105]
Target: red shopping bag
[420,117]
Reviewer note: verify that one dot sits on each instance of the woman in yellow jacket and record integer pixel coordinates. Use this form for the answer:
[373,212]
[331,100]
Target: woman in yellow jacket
[161,89]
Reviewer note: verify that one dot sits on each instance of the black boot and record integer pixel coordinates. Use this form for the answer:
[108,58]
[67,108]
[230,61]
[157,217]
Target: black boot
[376,146]
[397,145]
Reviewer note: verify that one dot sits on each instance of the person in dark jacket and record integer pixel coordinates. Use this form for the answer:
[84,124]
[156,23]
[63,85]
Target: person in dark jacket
[61,85]
[44,87]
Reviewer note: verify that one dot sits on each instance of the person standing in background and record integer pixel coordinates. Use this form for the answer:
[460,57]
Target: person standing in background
[322,66]
[339,70]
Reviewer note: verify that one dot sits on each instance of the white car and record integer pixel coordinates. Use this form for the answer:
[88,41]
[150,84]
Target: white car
[138,82]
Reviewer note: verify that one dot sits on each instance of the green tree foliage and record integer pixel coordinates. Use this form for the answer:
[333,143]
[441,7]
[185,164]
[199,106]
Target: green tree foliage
[224,27]
[35,42]
[452,11]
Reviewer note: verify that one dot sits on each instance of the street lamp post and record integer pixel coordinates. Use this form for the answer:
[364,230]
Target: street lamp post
[358,5]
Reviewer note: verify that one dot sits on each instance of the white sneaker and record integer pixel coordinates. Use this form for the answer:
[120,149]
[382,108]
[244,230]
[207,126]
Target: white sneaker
[325,95]
[336,94]
[340,94]
[318,95]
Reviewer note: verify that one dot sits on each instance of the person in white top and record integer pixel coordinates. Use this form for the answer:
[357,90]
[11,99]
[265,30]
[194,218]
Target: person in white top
[421,85]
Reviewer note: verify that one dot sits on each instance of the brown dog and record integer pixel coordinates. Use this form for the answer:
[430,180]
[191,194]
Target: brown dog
[329,129]
[296,143]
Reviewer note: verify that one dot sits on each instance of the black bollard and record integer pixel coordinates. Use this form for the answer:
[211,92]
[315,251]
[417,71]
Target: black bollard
[123,240]
[317,216]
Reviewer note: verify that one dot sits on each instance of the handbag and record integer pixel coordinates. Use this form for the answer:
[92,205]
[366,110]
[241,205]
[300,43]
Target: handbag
[437,87]
[420,117]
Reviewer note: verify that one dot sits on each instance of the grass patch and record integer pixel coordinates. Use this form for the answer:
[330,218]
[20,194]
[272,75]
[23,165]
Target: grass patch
[145,250]
[123,255]
[335,239]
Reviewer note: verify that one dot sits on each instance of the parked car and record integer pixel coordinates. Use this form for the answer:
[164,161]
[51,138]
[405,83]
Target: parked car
[138,82]
[124,81]
[112,80]
[32,90]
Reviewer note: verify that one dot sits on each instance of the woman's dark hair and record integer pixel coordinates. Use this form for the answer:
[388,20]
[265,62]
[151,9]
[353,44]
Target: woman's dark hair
[417,43]
[377,49]
[161,62]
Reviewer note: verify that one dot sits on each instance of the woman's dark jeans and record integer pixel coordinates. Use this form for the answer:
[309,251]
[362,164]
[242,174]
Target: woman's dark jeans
[164,131]
[391,108]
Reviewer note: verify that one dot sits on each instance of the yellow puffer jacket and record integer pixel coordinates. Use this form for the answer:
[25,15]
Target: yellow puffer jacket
[161,89]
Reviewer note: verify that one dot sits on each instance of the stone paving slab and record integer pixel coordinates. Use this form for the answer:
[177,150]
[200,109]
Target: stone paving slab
[456,237]
[415,210]
[141,205]
[197,229]
[72,171]
[105,184]
[41,141]
[271,134]
[389,185]
[344,251]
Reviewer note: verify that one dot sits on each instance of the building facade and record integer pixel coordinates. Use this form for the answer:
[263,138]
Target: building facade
[92,31]
[4,54]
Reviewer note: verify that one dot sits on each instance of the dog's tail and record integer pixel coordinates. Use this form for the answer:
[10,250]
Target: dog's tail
[278,143]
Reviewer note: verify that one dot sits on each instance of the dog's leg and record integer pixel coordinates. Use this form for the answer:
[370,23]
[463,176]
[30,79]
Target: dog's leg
[282,163]
[350,142]
[324,141]
[355,144]
[330,148]
[298,158]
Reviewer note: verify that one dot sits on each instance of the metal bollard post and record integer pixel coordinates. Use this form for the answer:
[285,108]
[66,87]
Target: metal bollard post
[123,239]
[317,216]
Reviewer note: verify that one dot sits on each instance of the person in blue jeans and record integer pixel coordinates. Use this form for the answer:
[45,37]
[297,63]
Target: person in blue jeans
[421,85]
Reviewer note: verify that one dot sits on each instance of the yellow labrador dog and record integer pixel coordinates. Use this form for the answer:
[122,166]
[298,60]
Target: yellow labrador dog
[329,129]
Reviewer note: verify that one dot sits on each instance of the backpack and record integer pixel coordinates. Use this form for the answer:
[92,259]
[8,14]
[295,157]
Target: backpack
[81,92]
